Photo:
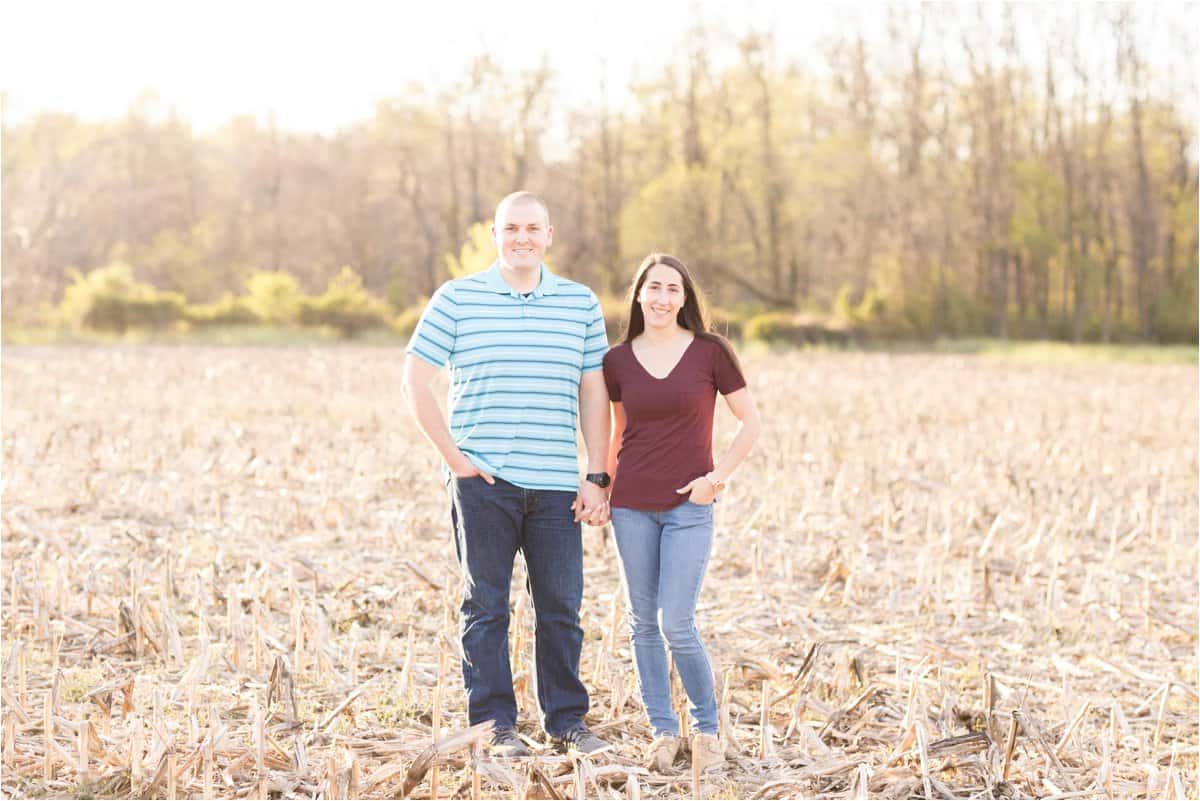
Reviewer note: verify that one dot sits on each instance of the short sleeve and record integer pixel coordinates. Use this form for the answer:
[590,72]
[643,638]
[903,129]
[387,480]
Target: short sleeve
[610,377]
[433,338]
[595,342]
[726,373]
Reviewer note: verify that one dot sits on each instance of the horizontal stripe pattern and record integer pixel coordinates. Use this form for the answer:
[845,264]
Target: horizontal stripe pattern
[515,364]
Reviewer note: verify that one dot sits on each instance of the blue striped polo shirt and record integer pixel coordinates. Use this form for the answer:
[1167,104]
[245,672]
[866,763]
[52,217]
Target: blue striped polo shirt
[515,363]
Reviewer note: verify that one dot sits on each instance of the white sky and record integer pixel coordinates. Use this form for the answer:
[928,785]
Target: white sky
[320,66]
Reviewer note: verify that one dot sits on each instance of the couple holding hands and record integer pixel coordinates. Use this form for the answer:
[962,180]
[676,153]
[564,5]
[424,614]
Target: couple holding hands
[530,364]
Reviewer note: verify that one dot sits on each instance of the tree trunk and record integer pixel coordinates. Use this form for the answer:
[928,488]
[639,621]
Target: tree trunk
[1080,299]
[451,221]
[1141,218]
[1043,300]
[1000,292]
[1019,276]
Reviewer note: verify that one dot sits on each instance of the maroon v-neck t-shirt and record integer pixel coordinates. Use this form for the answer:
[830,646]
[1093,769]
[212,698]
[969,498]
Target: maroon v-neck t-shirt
[668,438]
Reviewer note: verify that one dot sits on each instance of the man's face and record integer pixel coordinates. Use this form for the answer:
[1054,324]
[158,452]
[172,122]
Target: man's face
[522,232]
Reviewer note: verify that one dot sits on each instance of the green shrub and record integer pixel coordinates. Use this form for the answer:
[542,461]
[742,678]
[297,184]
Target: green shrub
[869,310]
[406,321]
[346,306]
[274,297]
[226,311]
[842,308]
[109,299]
[768,327]
[796,329]
[477,252]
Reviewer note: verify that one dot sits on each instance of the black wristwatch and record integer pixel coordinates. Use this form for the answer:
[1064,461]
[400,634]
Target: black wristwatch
[601,480]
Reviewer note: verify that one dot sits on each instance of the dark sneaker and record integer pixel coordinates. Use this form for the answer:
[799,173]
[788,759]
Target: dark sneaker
[506,744]
[579,739]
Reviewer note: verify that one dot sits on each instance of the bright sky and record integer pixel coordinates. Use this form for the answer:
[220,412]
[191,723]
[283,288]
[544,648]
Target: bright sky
[320,66]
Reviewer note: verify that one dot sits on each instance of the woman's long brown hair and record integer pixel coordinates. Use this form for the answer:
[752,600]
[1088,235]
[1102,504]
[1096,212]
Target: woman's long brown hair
[691,316]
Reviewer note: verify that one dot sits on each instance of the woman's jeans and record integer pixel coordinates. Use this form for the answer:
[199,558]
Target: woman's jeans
[664,556]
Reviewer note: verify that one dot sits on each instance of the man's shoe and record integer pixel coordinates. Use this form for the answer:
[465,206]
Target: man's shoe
[507,745]
[707,752]
[579,739]
[663,751]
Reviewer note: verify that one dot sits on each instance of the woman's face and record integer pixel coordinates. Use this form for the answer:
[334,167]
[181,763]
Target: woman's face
[661,296]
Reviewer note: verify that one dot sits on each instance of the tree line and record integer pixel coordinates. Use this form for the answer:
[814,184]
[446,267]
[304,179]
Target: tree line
[950,180]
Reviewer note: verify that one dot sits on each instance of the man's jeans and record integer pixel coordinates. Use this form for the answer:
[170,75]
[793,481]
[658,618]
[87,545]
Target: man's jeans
[491,523]
[664,556]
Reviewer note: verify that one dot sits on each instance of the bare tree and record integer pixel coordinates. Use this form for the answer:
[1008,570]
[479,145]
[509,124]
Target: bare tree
[1140,204]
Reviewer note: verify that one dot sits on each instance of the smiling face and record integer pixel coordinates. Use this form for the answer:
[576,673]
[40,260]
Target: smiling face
[522,232]
[661,297]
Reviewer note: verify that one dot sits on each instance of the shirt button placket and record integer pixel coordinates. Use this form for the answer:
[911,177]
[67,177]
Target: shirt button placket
[525,326]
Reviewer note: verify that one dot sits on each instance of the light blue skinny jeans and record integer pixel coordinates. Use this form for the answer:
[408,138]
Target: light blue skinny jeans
[663,558]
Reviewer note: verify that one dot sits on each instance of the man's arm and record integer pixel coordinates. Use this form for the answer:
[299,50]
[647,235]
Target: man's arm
[418,391]
[594,421]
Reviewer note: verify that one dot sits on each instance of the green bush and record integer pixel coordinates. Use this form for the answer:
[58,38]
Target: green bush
[109,299]
[868,311]
[477,253]
[346,307]
[796,329]
[406,321]
[274,297]
[226,311]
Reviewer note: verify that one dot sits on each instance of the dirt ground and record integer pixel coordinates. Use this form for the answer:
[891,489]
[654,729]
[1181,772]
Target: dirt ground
[227,573]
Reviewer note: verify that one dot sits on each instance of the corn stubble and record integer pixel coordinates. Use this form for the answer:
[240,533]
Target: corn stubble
[228,574]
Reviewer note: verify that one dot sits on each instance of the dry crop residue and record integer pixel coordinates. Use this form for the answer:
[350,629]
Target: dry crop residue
[227,572]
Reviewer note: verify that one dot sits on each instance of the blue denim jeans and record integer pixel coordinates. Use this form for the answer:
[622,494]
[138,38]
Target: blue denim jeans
[663,557]
[491,523]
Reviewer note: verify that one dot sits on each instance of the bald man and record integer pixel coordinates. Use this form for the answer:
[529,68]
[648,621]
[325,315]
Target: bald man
[525,348]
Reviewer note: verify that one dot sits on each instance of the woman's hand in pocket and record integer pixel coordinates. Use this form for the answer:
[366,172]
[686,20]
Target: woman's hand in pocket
[699,491]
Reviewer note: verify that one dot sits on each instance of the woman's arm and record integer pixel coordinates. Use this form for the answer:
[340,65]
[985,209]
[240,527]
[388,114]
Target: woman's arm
[615,433]
[702,490]
[741,403]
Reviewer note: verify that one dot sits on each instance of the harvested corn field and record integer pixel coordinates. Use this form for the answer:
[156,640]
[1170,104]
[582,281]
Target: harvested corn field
[227,573]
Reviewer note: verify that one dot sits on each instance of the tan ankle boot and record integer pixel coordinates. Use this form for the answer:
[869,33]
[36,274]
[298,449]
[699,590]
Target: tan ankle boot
[707,751]
[663,751]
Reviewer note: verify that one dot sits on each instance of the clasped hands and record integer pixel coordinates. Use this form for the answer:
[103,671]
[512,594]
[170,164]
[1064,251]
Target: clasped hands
[591,505]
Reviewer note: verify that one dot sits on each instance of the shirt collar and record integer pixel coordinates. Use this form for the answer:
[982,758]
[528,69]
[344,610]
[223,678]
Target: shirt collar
[547,283]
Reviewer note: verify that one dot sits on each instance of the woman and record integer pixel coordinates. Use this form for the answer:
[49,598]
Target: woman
[663,379]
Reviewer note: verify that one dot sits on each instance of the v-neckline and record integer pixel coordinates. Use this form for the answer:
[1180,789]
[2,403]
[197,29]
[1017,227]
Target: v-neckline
[674,367]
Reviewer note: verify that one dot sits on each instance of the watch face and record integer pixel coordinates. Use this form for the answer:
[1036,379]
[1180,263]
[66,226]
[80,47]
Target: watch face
[601,480]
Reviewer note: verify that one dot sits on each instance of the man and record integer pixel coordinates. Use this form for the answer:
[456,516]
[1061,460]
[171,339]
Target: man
[524,347]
